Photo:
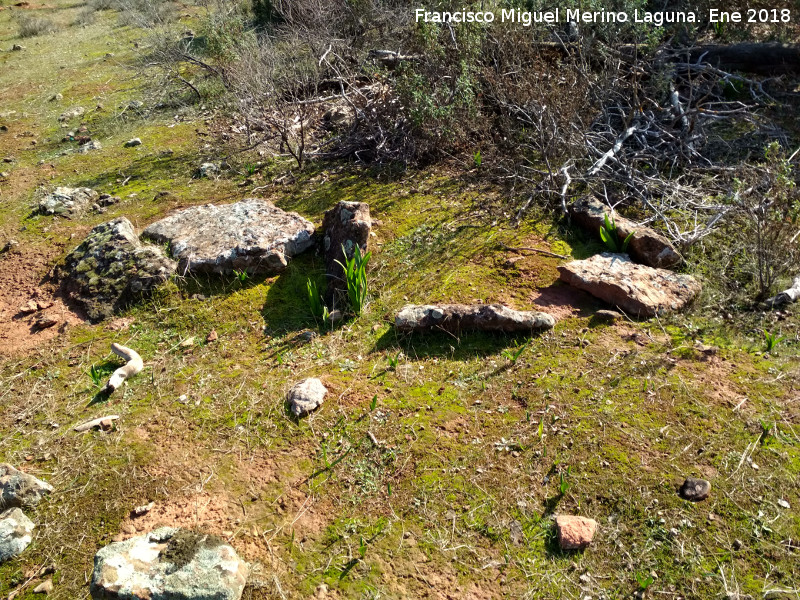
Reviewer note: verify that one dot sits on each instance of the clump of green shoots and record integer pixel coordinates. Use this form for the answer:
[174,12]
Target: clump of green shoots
[394,361]
[610,236]
[318,309]
[98,375]
[513,355]
[355,274]
[242,276]
[771,341]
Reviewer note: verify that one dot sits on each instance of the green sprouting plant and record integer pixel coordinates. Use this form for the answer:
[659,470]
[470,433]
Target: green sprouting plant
[362,548]
[96,376]
[514,355]
[563,485]
[610,236]
[644,581]
[477,159]
[394,361]
[242,276]
[771,340]
[355,274]
[373,403]
[315,303]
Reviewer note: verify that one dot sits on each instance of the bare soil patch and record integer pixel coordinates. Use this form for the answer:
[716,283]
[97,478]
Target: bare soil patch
[32,311]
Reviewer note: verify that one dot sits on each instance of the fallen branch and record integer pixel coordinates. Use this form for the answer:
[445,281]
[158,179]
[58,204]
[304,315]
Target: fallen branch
[518,250]
[133,366]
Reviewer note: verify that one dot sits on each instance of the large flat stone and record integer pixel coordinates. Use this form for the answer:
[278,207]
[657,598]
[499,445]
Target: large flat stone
[169,564]
[252,235]
[646,246]
[112,269]
[638,290]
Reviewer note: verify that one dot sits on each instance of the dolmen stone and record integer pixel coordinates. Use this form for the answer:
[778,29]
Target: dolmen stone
[16,533]
[252,235]
[575,533]
[466,317]
[638,290]
[346,225]
[306,396]
[67,202]
[18,489]
[169,564]
[647,246]
[111,269]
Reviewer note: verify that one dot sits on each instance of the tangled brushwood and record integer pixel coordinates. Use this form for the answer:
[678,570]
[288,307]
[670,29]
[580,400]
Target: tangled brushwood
[674,127]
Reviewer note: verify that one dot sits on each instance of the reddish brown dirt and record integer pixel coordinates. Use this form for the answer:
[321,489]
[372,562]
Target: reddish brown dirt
[563,301]
[21,274]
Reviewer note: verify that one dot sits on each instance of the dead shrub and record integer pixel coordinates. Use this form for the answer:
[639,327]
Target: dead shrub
[31,26]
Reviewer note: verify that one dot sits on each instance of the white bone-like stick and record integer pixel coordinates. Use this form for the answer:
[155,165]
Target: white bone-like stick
[131,368]
[94,423]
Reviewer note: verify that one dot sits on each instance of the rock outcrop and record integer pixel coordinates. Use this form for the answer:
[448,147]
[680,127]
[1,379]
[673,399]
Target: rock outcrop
[169,564]
[16,533]
[638,290]
[67,202]
[112,268]
[348,224]
[306,396]
[647,246]
[18,489]
[252,235]
[465,317]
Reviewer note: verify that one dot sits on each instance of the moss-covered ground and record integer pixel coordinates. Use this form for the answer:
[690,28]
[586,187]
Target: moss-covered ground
[437,463]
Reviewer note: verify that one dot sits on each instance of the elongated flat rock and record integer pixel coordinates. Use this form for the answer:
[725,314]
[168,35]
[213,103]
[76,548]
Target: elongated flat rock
[638,290]
[464,317]
[252,235]
[646,246]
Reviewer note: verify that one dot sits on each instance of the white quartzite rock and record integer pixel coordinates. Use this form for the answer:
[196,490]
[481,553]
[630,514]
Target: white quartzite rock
[16,533]
[169,564]
[252,235]
[306,396]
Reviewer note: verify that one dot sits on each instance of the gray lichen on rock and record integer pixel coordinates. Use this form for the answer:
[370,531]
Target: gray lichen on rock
[169,564]
[112,269]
